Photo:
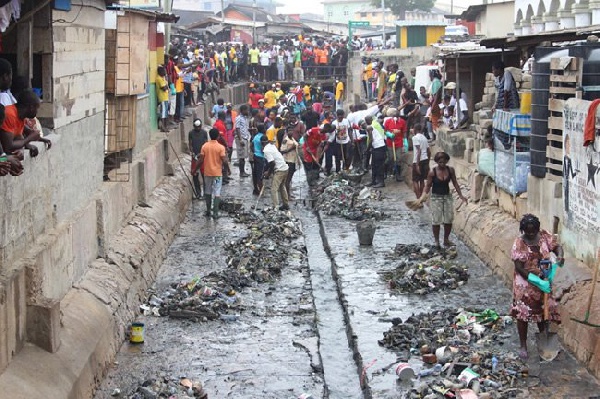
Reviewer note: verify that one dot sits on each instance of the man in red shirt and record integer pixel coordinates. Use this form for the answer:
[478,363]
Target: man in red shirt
[395,129]
[253,98]
[313,148]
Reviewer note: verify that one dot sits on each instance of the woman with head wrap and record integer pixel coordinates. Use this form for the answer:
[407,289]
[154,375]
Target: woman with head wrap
[529,249]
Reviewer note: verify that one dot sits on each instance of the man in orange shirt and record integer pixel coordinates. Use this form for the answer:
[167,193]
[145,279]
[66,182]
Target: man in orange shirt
[213,157]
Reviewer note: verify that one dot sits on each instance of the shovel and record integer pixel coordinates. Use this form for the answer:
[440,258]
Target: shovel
[547,342]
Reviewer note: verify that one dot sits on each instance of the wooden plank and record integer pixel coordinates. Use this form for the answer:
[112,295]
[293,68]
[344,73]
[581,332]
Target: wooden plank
[139,55]
[123,72]
[556,105]
[555,122]
[555,137]
[554,166]
[563,78]
[555,64]
[123,23]
[554,153]
[555,178]
[562,90]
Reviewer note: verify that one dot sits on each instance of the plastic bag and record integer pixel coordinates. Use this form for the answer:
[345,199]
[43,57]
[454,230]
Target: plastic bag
[485,162]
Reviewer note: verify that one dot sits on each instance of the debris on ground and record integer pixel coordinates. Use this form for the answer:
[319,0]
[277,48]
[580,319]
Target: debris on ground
[424,269]
[165,387]
[421,252]
[335,196]
[257,257]
[458,349]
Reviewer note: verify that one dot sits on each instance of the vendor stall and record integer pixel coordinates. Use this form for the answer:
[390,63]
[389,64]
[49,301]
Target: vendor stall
[512,132]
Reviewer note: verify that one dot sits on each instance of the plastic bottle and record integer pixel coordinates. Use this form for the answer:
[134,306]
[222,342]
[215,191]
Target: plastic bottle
[435,370]
[491,384]
[494,364]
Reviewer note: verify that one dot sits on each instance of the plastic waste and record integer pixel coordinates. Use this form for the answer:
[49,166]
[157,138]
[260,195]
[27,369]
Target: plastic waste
[494,364]
[435,370]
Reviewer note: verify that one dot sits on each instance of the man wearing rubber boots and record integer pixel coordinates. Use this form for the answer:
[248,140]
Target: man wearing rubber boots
[213,156]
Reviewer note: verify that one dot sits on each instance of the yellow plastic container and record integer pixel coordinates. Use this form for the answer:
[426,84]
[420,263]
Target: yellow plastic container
[137,333]
[526,102]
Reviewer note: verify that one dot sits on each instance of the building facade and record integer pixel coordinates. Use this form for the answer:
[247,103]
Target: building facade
[535,16]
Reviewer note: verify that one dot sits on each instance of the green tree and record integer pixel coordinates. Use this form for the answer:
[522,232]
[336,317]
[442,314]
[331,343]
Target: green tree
[400,7]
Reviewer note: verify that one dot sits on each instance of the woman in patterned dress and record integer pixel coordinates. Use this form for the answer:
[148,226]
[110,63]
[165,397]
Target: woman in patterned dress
[532,246]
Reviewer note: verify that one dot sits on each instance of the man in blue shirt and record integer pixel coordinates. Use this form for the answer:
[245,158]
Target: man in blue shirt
[258,167]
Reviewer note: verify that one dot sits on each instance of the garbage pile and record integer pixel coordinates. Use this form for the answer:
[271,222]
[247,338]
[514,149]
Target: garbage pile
[260,255]
[421,252]
[257,257]
[460,351]
[336,196]
[196,300]
[425,269]
[165,388]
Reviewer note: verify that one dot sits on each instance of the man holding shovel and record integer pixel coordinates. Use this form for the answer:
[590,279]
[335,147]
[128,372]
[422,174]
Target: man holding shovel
[213,156]
[315,140]
[276,166]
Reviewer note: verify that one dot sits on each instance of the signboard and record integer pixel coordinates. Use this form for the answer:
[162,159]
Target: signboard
[139,3]
[581,170]
[356,24]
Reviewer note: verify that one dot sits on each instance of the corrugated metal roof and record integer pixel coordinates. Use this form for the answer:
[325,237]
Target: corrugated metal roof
[420,23]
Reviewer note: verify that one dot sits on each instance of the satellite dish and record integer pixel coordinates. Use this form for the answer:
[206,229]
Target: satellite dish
[269,18]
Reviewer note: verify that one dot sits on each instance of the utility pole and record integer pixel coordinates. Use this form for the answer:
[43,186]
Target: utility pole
[167,7]
[254,22]
[383,22]
[223,12]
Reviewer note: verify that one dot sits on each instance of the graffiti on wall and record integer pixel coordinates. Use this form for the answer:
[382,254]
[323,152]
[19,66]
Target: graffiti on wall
[581,170]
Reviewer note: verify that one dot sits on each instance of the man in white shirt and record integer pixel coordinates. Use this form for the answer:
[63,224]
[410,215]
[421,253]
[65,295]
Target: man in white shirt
[343,133]
[264,58]
[378,151]
[421,155]
[276,166]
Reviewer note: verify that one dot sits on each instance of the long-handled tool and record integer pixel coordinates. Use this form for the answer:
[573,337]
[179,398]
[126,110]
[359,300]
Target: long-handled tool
[183,169]
[589,305]
[397,174]
[547,342]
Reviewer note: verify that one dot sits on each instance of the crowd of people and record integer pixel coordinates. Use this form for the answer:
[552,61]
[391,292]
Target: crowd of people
[308,125]
[193,70]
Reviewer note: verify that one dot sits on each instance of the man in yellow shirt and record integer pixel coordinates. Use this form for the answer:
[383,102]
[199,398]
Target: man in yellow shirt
[278,91]
[273,133]
[162,94]
[339,95]
[307,96]
[253,54]
[270,98]
[233,61]
[179,93]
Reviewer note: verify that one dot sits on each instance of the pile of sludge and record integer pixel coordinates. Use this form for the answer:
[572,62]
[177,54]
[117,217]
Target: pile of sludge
[257,257]
[423,269]
[165,387]
[335,196]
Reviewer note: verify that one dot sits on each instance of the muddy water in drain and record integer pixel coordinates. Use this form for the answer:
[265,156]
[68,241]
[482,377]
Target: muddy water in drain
[340,370]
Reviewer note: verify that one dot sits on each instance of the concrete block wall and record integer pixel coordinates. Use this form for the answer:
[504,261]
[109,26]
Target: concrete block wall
[109,232]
